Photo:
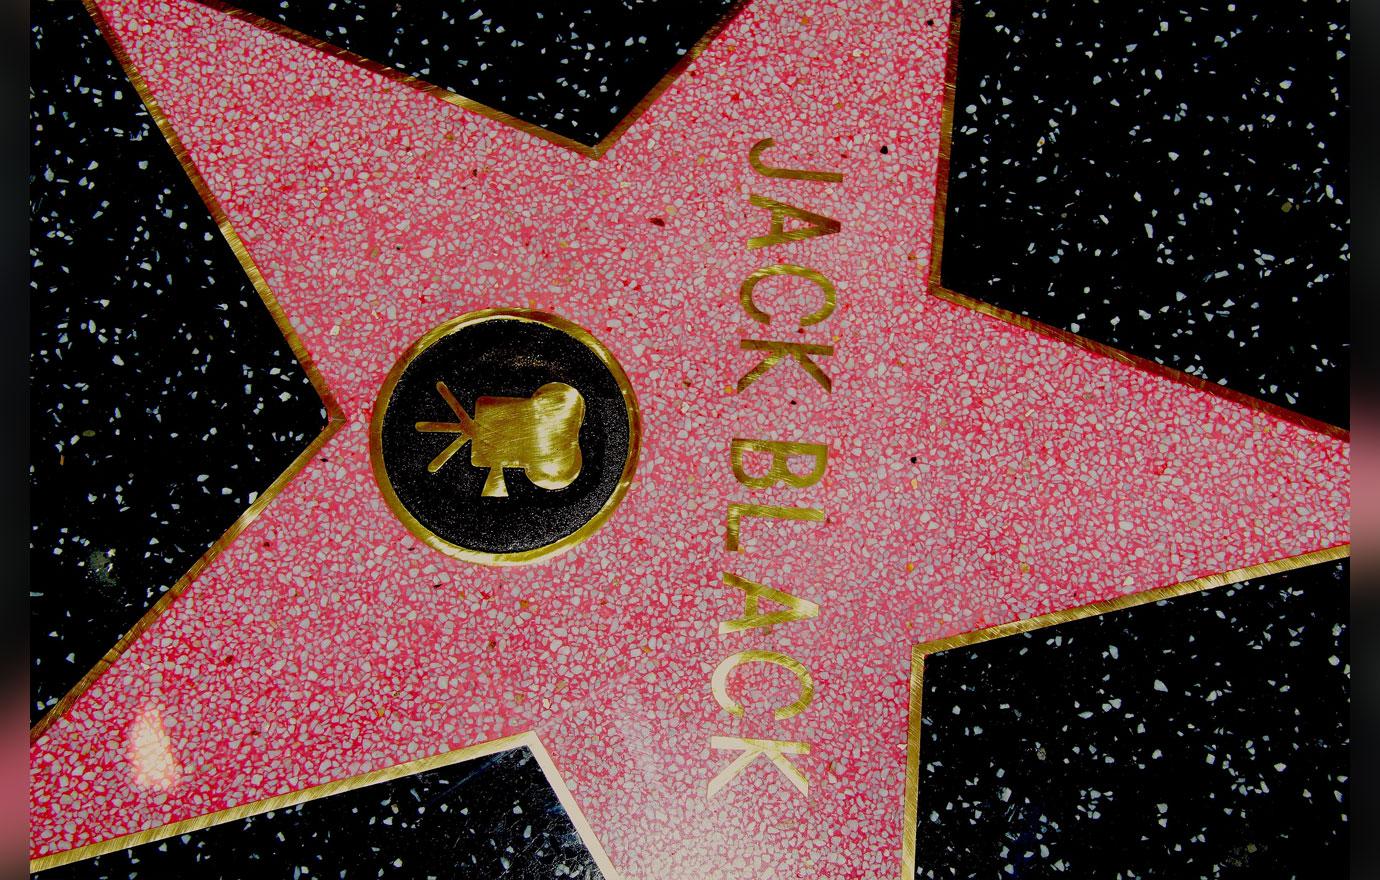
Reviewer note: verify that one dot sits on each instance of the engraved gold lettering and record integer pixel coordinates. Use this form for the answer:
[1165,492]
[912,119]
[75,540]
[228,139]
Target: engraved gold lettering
[824,311]
[775,468]
[816,224]
[719,683]
[800,351]
[737,511]
[762,168]
[753,593]
[774,750]
[780,470]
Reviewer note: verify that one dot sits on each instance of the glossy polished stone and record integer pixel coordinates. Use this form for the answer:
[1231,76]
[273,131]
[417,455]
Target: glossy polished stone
[487,817]
[1167,178]
[1203,736]
[964,454]
[573,69]
[163,397]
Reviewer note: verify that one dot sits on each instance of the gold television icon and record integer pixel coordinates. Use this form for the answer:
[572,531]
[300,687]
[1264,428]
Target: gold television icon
[539,434]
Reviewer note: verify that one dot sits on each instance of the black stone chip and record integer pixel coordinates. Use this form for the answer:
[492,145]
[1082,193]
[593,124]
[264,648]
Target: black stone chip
[163,397]
[1165,177]
[1203,736]
[574,69]
[483,818]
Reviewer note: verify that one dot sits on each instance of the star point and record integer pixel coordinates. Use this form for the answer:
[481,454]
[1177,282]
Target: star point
[977,475]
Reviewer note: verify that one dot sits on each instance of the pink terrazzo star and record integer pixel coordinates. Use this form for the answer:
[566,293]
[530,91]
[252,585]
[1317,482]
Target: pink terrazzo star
[977,473]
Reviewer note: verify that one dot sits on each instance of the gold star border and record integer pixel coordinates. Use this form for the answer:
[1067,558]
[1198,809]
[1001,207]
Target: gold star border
[1016,627]
[527,740]
[593,152]
[336,419]
[335,416]
[936,288]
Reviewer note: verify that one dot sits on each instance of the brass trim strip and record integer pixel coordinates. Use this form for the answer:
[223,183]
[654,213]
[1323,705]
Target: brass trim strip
[335,415]
[946,139]
[936,287]
[1144,364]
[593,152]
[912,791]
[339,786]
[1016,627]
[572,809]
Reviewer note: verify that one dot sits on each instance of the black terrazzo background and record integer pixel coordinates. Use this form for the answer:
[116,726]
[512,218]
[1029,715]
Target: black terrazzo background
[486,818]
[1204,736]
[575,69]
[990,798]
[1166,177]
[163,398]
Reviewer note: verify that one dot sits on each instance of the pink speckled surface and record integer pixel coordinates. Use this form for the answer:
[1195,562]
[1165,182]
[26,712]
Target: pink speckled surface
[327,641]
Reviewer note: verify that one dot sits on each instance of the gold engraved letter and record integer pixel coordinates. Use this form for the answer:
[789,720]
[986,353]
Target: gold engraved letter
[540,434]
[753,593]
[817,224]
[780,470]
[801,351]
[762,168]
[774,750]
[719,683]
[737,511]
[830,296]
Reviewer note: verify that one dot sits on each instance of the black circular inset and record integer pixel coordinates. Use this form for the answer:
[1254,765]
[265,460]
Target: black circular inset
[522,381]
